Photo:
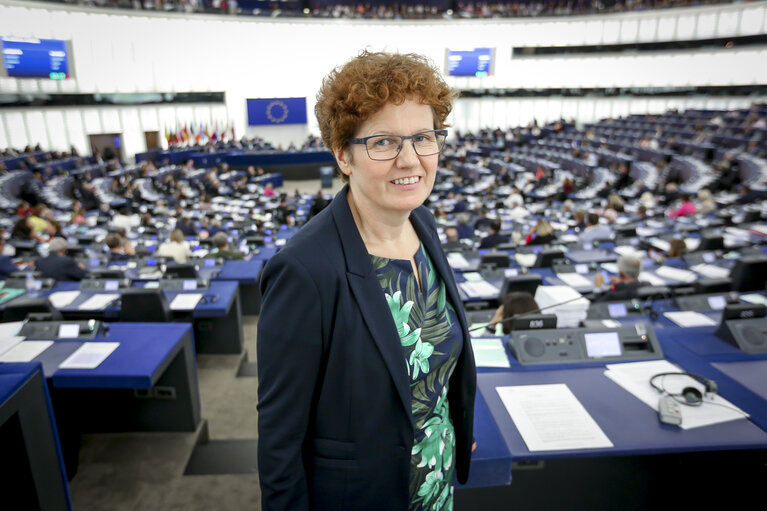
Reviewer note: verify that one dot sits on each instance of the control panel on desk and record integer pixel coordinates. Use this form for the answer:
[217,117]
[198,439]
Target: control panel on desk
[85,329]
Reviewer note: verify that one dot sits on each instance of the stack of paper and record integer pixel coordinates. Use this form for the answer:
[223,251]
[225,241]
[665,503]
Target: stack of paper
[567,303]
[457,261]
[635,378]
[98,301]
[480,289]
[711,271]
[676,274]
[575,280]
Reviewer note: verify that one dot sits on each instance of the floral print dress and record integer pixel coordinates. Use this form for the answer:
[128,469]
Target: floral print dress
[431,341]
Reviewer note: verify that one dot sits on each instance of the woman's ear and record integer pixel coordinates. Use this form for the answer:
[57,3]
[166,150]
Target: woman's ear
[344,159]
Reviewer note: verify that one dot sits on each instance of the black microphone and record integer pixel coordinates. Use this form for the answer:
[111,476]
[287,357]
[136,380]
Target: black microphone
[587,296]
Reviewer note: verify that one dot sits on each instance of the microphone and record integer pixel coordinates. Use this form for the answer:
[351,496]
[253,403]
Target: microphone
[587,296]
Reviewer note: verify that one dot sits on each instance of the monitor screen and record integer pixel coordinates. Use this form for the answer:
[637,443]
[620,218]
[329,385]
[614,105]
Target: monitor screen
[473,62]
[35,58]
[190,285]
[616,310]
[581,268]
[210,262]
[95,262]
[111,285]
[709,257]
[151,262]
[604,344]
[717,302]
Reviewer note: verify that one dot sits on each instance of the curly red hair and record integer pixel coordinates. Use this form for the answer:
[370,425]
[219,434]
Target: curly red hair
[350,94]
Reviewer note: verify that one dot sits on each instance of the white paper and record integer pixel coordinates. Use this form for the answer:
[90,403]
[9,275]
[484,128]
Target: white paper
[489,352]
[660,244]
[678,274]
[9,342]
[611,323]
[688,319]
[711,271]
[651,278]
[25,351]
[457,261]
[10,329]
[754,298]
[185,301]
[526,260]
[89,356]
[550,418]
[634,377]
[610,267]
[98,301]
[61,299]
[629,250]
[479,289]
[575,280]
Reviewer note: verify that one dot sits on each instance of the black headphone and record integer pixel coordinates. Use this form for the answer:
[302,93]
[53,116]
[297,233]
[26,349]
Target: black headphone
[690,395]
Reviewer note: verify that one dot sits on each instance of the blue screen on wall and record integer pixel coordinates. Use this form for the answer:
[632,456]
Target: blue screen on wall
[474,62]
[35,58]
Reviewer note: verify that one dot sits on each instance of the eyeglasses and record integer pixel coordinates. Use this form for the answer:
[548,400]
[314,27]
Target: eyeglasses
[388,147]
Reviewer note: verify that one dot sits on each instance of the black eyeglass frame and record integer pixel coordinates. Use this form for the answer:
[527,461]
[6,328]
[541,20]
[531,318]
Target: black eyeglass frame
[364,141]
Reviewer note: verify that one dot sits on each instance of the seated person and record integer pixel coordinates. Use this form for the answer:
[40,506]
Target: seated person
[465,230]
[57,265]
[6,262]
[452,240]
[221,242]
[626,284]
[127,245]
[514,304]
[687,208]
[117,252]
[175,248]
[542,233]
[495,237]
[594,231]
[186,227]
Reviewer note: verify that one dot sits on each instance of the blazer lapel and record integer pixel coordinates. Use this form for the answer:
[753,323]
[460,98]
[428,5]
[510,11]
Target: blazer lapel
[434,247]
[372,303]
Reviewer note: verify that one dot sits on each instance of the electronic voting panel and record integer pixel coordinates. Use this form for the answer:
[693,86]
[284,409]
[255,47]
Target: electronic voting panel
[616,310]
[573,345]
[83,330]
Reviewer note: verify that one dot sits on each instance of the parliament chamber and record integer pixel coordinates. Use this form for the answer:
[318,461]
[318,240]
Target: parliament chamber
[618,189]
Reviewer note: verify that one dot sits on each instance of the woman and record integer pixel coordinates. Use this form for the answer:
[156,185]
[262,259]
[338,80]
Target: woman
[366,375]
[542,233]
[686,208]
[175,247]
[514,304]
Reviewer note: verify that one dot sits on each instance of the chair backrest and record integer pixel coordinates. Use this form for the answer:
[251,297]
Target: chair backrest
[181,271]
[494,260]
[19,309]
[527,283]
[547,256]
[145,305]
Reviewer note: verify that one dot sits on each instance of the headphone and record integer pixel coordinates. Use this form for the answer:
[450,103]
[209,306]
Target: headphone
[689,395]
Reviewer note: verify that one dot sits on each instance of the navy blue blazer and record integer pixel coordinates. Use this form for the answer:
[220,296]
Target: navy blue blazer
[335,428]
[61,268]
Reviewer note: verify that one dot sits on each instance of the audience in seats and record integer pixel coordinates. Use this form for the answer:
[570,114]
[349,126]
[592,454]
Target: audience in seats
[595,231]
[175,248]
[57,265]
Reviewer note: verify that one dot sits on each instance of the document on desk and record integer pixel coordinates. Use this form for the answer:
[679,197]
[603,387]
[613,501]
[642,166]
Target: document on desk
[457,261]
[651,278]
[480,289]
[754,298]
[61,299]
[711,271]
[185,301]
[25,351]
[526,260]
[89,356]
[575,280]
[98,301]
[550,418]
[9,335]
[687,319]
[634,377]
[676,274]
[489,352]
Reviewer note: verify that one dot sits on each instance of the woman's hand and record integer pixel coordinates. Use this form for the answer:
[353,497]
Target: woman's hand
[498,316]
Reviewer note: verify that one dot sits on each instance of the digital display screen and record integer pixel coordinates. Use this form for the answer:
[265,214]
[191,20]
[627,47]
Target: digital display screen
[151,262]
[111,285]
[601,345]
[190,285]
[717,302]
[581,268]
[587,245]
[473,62]
[709,257]
[210,262]
[69,331]
[616,310]
[95,262]
[35,58]
[510,272]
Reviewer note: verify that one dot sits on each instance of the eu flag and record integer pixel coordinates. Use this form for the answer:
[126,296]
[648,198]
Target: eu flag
[271,111]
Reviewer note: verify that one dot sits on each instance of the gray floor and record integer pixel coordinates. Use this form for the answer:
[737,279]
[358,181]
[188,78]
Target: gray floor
[145,471]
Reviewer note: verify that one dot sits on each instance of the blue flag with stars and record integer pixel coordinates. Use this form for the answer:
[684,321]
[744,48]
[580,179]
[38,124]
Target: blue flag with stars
[276,111]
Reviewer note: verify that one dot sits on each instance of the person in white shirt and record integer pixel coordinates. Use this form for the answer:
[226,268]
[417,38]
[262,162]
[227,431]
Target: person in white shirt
[175,247]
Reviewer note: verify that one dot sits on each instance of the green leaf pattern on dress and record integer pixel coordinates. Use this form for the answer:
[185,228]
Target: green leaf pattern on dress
[431,342]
